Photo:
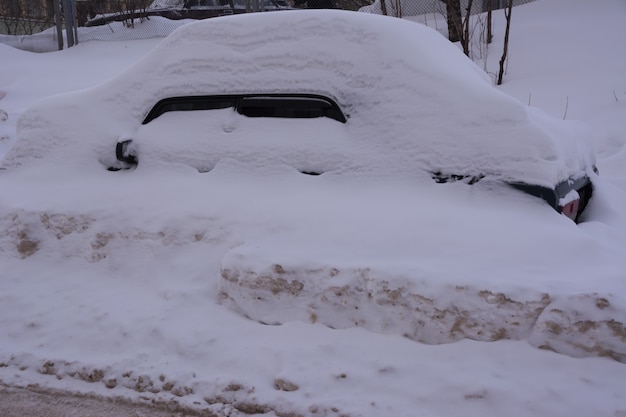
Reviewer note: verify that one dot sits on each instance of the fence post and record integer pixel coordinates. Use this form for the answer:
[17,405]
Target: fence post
[57,22]
[74,21]
[69,22]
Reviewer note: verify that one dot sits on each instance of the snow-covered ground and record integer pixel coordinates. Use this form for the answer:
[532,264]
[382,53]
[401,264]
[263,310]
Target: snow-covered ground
[155,291]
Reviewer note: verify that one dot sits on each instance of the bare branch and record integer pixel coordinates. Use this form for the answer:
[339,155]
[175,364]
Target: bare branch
[507,15]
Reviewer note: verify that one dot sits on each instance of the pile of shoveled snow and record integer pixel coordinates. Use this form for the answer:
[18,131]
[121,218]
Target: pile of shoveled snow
[328,268]
[123,298]
[274,289]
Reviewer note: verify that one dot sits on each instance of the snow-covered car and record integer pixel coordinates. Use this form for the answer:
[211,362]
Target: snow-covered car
[325,92]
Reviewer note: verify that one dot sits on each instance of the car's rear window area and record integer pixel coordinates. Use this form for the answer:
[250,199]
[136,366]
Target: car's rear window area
[293,106]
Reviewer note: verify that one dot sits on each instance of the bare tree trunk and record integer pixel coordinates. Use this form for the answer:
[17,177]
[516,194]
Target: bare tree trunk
[507,14]
[383,7]
[466,35]
[458,28]
[453,12]
[489,32]
[397,8]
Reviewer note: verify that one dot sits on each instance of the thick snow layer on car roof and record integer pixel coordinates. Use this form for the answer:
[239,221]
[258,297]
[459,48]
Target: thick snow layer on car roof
[413,100]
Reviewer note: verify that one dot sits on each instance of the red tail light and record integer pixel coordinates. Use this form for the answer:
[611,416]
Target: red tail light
[571,209]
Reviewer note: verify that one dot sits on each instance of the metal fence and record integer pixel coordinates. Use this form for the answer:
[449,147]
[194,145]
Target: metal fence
[19,17]
[25,17]
[406,8]
[19,26]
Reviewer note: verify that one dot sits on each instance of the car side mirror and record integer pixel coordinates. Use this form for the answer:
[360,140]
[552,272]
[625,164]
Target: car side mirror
[123,153]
